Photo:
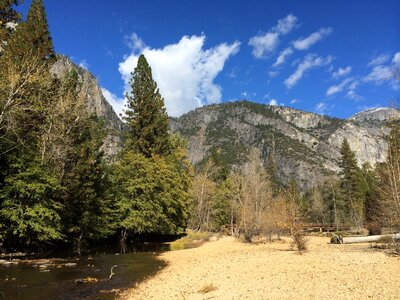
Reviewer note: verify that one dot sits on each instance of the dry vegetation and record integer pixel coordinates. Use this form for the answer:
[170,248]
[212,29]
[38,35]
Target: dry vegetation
[229,269]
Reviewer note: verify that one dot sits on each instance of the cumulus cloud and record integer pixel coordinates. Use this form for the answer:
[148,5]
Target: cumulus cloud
[341,72]
[305,43]
[310,61]
[396,58]
[264,44]
[116,102]
[379,60]
[282,56]
[184,71]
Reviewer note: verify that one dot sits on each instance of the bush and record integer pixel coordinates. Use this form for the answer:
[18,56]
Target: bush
[374,228]
[299,241]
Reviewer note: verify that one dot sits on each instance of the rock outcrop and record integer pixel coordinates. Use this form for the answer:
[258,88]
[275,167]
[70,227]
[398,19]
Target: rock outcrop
[96,103]
[306,146]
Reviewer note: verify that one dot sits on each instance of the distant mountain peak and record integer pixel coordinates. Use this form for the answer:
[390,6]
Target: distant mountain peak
[377,114]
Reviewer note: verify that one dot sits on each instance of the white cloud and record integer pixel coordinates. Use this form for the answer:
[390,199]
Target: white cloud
[379,74]
[286,24]
[341,72]
[353,95]
[273,102]
[309,62]
[264,44]
[321,108]
[396,58]
[282,56]
[134,42]
[273,73]
[294,101]
[84,64]
[304,44]
[116,103]
[379,60]
[338,88]
[184,72]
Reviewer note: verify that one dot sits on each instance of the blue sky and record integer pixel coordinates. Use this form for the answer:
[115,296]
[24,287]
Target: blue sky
[332,57]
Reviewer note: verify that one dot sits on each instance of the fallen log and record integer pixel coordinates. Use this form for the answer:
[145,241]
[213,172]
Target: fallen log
[363,239]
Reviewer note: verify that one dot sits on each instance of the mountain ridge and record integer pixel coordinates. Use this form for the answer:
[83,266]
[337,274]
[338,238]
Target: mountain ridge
[305,145]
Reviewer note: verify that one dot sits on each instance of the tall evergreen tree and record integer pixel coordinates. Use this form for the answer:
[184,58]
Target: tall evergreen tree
[88,208]
[9,19]
[153,176]
[146,114]
[38,31]
[352,187]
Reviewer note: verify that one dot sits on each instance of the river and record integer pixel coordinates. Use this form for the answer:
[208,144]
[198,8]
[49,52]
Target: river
[65,278]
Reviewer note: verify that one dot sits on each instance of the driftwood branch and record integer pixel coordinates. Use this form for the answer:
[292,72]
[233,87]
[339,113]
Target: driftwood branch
[112,271]
[363,239]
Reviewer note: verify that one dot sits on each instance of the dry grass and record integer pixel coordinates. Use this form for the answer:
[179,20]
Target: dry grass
[191,240]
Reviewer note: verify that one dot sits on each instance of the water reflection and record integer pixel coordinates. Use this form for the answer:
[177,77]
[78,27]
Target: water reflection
[57,279]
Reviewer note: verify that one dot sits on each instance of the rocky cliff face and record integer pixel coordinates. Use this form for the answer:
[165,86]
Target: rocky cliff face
[96,103]
[306,146]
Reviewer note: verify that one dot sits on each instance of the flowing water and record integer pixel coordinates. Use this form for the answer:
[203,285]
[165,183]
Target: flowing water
[78,278]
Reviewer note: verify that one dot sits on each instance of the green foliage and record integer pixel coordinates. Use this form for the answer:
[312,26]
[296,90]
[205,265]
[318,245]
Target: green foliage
[146,115]
[352,186]
[87,200]
[29,207]
[7,14]
[152,193]
[38,31]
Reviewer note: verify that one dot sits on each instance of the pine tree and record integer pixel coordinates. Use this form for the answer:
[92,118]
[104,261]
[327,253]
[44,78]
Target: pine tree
[9,18]
[351,184]
[146,115]
[153,176]
[88,208]
[38,31]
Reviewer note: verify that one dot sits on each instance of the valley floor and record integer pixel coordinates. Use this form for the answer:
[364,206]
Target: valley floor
[234,270]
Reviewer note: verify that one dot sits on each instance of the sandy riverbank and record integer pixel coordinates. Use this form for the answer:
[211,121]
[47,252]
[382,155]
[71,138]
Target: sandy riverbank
[271,271]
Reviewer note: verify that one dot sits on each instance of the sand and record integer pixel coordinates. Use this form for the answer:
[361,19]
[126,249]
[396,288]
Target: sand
[233,270]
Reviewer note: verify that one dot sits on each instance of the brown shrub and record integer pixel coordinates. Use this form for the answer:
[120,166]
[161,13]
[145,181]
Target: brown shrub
[299,241]
[374,228]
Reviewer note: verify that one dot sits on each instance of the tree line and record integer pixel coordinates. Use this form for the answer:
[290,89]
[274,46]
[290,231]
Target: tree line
[56,188]
[252,201]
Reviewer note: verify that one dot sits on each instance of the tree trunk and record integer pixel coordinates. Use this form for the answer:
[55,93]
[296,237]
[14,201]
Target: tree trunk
[122,241]
[79,244]
[362,239]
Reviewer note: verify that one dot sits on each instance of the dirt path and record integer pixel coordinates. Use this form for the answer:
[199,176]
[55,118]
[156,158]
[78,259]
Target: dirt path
[271,271]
